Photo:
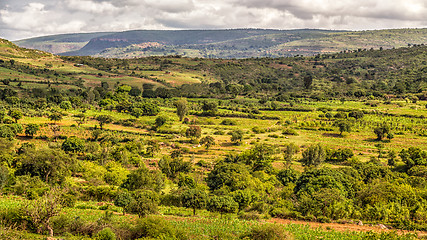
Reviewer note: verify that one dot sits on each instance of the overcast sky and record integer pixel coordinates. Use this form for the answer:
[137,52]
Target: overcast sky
[22,19]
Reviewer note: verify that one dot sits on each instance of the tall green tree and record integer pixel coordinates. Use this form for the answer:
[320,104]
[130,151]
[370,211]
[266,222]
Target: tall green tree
[181,108]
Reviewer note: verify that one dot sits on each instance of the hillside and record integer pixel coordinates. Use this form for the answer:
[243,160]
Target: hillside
[237,43]
[192,148]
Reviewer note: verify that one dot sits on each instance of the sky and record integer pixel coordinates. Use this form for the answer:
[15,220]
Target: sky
[21,19]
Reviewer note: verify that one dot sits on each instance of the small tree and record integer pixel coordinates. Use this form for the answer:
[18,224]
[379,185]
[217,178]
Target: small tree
[236,136]
[122,200]
[31,129]
[160,121]
[143,202]
[208,141]
[343,126]
[314,155]
[181,108]
[222,204]
[103,119]
[65,105]
[55,117]
[73,144]
[16,115]
[80,118]
[40,211]
[288,154]
[209,108]
[193,132]
[194,198]
[382,131]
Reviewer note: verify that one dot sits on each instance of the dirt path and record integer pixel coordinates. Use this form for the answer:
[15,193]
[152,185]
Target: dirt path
[344,227]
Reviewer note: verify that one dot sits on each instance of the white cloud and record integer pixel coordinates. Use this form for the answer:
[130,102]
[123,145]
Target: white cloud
[19,19]
[91,6]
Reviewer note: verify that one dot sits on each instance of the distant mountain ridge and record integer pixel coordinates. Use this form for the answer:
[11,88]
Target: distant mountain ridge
[229,43]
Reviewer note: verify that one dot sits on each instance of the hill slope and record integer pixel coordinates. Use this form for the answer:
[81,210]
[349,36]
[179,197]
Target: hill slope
[236,43]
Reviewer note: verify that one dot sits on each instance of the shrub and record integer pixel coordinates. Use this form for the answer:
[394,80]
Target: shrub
[290,131]
[268,232]
[156,228]
[105,234]
[228,122]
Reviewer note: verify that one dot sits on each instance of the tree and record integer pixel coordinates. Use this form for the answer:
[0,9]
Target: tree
[222,204]
[209,108]
[193,132]
[80,118]
[73,144]
[16,115]
[356,114]
[208,141]
[31,129]
[181,108]
[65,105]
[122,200]
[259,157]
[41,211]
[52,166]
[194,198]
[172,167]
[103,119]
[236,136]
[288,154]
[142,178]
[314,155]
[343,126]
[308,81]
[160,121]
[143,202]
[55,116]
[382,131]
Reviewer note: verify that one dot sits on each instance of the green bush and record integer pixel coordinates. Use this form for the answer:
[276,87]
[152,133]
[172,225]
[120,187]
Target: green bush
[268,232]
[105,234]
[156,228]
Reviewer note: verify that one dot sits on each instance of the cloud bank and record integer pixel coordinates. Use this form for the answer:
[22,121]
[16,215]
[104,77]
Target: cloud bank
[22,19]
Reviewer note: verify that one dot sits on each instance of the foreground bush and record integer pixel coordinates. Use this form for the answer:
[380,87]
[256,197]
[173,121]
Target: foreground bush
[268,232]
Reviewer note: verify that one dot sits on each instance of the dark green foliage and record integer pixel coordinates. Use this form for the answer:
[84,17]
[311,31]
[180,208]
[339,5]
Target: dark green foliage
[55,116]
[73,144]
[52,166]
[343,126]
[210,108]
[222,204]
[172,167]
[193,132]
[123,199]
[339,155]
[142,178]
[232,175]
[314,155]
[228,122]
[382,131]
[260,157]
[356,114]
[31,129]
[103,119]
[160,121]
[16,115]
[244,198]
[237,136]
[287,176]
[413,156]
[143,202]
[194,198]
